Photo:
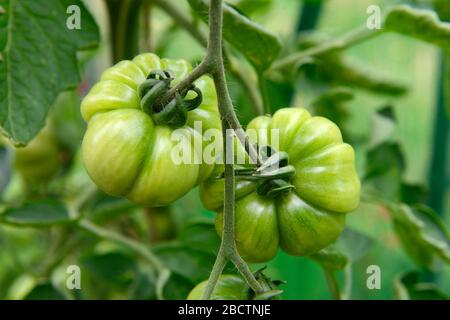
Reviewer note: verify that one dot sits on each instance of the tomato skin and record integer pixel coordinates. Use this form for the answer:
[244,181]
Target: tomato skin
[308,218]
[256,228]
[125,152]
[40,160]
[229,287]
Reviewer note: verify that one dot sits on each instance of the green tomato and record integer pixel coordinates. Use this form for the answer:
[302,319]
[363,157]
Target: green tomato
[125,152]
[229,287]
[40,160]
[308,218]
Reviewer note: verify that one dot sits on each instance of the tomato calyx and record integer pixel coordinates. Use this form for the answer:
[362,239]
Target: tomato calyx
[174,113]
[273,175]
[271,289]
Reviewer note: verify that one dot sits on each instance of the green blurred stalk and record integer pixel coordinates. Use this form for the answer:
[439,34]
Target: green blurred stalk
[437,176]
[124,28]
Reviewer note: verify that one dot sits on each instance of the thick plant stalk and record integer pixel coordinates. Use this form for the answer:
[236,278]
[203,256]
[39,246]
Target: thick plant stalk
[213,63]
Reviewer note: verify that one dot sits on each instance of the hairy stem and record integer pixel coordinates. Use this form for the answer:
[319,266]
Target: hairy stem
[217,270]
[213,63]
[229,121]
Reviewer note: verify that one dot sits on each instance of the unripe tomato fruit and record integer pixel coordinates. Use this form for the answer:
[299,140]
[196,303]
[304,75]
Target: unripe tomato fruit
[125,152]
[308,218]
[40,160]
[228,287]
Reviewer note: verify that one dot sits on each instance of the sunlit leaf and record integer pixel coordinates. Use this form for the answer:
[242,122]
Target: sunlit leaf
[420,24]
[258,45]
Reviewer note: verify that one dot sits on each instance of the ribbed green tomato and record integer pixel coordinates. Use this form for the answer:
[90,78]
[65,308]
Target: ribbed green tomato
[229,287]
[40,160]
[308,218]
[125,152]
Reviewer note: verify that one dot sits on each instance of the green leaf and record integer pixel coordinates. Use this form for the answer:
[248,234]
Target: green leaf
[5,167]
[443,9]
[201,236]
[112,267]
[331,258]
[67,121]
[45,291]
[384,171]
[354,243]
[408,287]
[38,54]
[269,295]
[331,104]
[252,6]
[336,69]
[413,193]
[420,24]
[189,263]
[257,44]
[177,287]
[351,246]
[384,127]
[422,234]
[42,213]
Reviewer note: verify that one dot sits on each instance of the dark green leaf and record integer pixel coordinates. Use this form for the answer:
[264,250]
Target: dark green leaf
[201,236]
[143,287]
[105,207]
[177,288]
[413,193]
[45,291]
[112,267]
[443,9]
[38,61]
[257,44]
[409,287]
[42,213]
[420,24]
[189,263]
